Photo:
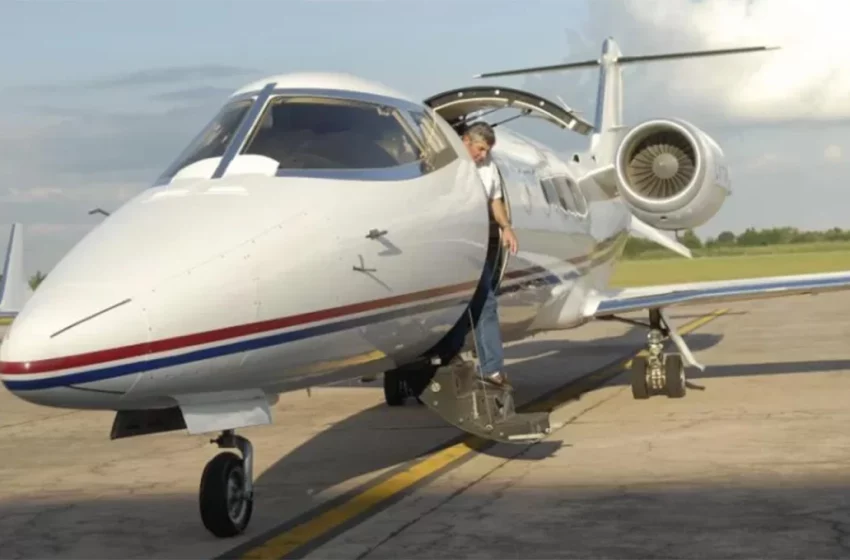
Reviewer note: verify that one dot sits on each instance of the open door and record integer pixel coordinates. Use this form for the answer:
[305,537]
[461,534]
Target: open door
[462,105]
[455,392]
[503,256]
[459,106]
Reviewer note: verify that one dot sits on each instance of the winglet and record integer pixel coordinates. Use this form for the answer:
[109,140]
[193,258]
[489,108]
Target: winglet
[14,289]
[649,232]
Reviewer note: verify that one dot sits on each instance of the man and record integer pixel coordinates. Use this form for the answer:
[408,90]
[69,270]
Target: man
[479,140]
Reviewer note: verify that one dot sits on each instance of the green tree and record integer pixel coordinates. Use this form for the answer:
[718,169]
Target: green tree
[726,238]
[690,240]
[36,279]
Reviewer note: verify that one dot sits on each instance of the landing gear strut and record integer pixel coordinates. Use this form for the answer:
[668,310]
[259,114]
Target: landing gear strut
[227,487]
[659,372]
[410,381]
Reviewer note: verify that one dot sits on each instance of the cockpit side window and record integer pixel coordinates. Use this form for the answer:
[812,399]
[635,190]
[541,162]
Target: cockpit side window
[435,146]
[325,133]
[213,139]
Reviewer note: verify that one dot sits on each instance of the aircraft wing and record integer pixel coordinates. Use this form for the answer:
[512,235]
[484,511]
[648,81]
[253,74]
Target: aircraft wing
[614,302]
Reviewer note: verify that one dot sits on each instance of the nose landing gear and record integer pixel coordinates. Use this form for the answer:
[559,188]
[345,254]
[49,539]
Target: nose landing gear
[227,488]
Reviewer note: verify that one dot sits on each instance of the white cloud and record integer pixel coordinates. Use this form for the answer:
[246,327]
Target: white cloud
[765,160]
[832,153]
[31,194]
[56,229]
[808,78]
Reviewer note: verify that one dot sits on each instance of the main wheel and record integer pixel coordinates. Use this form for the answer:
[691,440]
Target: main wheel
[638,375]
[674,376]
[225,510]
[395,389]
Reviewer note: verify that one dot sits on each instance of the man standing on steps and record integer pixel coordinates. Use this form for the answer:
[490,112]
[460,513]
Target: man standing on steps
[479,140]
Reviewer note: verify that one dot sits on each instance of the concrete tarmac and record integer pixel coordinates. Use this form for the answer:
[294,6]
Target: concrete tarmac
[751,466]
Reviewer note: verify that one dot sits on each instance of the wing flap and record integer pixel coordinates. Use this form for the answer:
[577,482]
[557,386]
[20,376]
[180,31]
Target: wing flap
[626,300]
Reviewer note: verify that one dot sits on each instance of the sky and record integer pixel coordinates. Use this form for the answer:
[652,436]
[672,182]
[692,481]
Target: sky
[98,96]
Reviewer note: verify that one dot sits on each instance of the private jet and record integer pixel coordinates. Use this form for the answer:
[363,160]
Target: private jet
[324,227]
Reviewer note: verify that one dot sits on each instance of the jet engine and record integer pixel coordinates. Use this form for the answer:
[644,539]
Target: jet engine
[671,174]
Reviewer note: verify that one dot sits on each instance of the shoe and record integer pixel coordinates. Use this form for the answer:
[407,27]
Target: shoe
[498,379]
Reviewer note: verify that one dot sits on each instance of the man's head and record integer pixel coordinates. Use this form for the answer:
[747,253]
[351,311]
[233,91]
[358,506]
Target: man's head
[479,140]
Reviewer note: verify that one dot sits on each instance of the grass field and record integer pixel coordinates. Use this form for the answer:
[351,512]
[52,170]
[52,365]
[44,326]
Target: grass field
[644,271]
[791,248]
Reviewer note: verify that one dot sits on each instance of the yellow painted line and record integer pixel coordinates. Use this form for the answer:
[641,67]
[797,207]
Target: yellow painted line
[289,541]
[299,536]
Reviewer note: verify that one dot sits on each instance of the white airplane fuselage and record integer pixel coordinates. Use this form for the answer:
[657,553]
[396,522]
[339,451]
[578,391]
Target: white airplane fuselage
[211,285]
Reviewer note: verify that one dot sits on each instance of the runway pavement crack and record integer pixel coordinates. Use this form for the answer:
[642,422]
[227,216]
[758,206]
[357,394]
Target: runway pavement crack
[841,530]
[36,420]
[437,506]
[460,491]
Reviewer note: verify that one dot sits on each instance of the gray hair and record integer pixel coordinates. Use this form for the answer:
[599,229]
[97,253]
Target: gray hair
[481,131]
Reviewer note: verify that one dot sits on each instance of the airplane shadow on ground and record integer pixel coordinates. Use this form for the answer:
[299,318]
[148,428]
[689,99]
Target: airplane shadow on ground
[781,516]
[382,437]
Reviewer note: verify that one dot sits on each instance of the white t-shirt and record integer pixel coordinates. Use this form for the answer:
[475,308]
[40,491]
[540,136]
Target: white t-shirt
[490,177]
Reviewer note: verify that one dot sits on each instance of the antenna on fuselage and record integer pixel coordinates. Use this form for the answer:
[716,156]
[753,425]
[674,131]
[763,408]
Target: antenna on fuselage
[609,98]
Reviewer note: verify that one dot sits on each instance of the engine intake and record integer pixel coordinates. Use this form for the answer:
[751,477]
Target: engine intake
[661,165]
[671,174]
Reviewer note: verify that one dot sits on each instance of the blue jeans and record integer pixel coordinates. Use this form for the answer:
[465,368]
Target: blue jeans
[488,336]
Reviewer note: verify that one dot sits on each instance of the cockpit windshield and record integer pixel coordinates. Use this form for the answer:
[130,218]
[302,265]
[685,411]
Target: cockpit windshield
[213,139]
[329,133]
[324,135]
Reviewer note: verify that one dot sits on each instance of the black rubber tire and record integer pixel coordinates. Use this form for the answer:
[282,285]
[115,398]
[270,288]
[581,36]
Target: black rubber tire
[395,392]
[638,378]
[213,496]
[674,379]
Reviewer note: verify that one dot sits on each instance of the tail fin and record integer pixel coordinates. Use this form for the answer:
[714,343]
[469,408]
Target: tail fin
[609,97]
[14,288]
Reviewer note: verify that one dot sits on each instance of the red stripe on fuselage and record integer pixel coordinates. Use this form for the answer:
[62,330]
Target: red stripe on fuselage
[207,337]
[178,342]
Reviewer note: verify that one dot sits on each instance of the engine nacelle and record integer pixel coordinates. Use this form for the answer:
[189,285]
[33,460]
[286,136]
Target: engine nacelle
[671,174]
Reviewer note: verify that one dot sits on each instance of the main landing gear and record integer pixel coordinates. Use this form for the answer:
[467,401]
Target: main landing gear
[659,372]
[227,487]
[406,382]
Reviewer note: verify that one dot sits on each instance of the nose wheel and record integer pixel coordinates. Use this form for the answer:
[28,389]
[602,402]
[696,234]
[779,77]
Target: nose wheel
[227,492]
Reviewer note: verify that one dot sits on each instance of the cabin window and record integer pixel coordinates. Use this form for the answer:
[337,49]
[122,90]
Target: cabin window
[307,133]
[550,192]
[213,139]
[578,196]
[568,194]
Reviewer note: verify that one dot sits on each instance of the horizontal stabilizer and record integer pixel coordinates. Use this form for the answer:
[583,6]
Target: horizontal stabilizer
[14,288]
[647,231]
[625,60]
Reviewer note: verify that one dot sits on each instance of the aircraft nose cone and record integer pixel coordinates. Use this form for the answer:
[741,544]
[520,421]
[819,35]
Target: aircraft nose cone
[67,341]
